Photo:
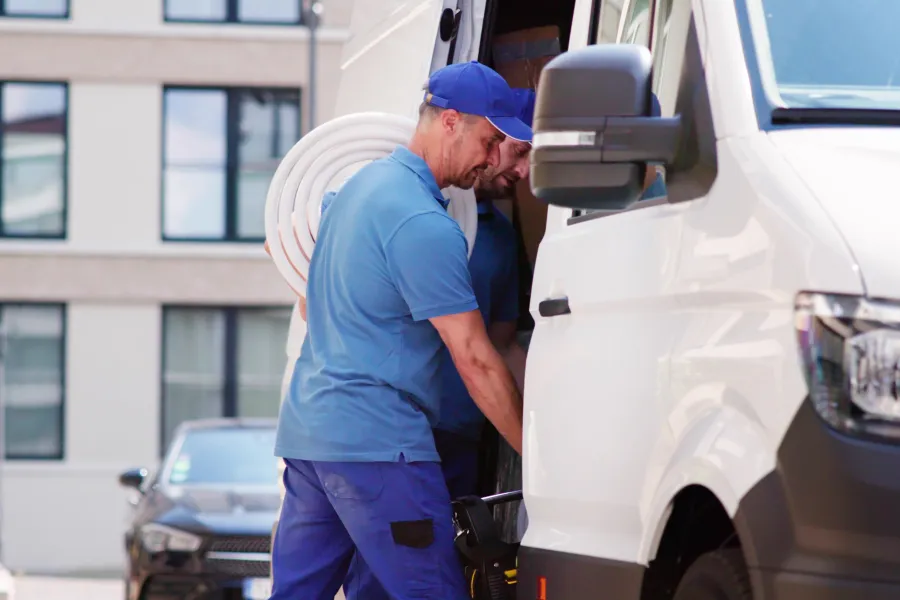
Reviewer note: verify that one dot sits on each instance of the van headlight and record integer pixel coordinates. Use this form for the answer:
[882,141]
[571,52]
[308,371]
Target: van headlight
[157,538]
[850,348]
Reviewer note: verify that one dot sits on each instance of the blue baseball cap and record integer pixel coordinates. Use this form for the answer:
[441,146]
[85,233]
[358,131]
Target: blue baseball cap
[525,100]
[475,89]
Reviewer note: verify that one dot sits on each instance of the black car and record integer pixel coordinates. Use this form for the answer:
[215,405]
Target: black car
[202,524]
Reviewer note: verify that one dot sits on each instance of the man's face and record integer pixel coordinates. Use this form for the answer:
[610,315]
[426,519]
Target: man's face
[474,149]
[498,182]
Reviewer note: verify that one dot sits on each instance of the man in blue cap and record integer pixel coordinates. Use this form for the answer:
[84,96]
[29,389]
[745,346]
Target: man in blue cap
[493,266]
[388,287]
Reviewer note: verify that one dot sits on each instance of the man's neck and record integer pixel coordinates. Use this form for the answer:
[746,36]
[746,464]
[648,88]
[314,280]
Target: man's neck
[418,145]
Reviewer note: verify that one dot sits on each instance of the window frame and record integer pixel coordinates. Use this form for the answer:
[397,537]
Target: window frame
[232,17]
[231,164]
[230,349]
[64,233]
[67,14]
[63,379]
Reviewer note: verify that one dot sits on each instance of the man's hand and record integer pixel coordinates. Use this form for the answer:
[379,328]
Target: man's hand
[302,300]
[487,378]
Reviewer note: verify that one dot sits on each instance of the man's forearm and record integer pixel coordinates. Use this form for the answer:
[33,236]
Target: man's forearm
[495,392]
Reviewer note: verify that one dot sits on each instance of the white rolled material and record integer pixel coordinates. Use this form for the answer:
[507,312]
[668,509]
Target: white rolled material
[320,162]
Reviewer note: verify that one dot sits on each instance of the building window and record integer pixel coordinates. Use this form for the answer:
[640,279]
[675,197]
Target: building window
[43,9]
[257,12]
[221,362]
[221,148]
[32,379]
[33,154]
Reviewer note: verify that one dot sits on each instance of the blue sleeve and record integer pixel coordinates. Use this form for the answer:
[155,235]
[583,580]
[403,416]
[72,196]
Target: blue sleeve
[505,307]
[657,189]
[428,262]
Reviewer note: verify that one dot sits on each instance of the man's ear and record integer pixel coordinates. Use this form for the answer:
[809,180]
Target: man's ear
[451,120]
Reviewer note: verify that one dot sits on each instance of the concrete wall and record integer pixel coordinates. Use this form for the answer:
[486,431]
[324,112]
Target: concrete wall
[113,271]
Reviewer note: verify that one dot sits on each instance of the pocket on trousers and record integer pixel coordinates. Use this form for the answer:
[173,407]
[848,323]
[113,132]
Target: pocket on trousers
[417,552]
[352,481]
[413,534]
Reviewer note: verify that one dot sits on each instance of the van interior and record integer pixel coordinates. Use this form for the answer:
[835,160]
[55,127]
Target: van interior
[518,38]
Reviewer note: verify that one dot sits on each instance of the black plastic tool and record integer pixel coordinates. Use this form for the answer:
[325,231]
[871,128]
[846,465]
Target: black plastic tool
[490,562]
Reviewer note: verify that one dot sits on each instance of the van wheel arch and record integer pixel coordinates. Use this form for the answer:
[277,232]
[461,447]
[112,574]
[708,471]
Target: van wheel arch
[697,525]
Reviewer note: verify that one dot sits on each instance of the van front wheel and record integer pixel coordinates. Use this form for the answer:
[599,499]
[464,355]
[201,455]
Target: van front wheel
[719,575]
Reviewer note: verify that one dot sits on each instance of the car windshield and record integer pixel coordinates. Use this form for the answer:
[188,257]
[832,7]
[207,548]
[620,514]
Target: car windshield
[228,456]
[829,53]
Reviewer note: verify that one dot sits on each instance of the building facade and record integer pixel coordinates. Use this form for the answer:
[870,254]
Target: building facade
[137,141]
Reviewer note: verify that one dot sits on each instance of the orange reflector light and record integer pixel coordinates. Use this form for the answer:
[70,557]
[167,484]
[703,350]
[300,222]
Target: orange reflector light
[542,588]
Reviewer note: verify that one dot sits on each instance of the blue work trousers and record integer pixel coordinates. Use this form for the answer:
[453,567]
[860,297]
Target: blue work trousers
[395,516]
[459,466]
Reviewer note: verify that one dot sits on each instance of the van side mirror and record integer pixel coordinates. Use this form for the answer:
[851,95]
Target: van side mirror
[593,133]
[133,478]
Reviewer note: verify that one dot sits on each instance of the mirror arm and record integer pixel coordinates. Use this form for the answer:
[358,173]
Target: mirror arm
[617,140]
[641,139]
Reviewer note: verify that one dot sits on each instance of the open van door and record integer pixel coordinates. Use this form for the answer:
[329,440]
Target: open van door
[395,44]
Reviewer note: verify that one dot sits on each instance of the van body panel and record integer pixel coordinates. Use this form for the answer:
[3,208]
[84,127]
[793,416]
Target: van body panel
[617,273]
[747,249]
[735,373]
[728,80]
[849,170]
[718,447]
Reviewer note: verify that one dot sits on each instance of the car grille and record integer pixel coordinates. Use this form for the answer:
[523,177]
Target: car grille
[238,567]
[237,543]
[239,555]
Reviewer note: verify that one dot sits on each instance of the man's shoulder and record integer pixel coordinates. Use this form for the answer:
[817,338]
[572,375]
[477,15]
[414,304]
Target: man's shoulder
[388,183]
[384,171]
[389,196]
[430,222]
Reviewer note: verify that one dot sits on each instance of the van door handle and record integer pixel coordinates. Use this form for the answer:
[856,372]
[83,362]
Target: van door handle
[554,307]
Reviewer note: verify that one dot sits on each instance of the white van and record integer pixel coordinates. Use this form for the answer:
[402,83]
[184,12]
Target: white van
[711,396]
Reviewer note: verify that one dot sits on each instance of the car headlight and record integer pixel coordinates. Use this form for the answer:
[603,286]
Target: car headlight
[157,538]
[850,348]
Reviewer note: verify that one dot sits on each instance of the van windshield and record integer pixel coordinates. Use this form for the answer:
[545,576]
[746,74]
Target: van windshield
[829,53]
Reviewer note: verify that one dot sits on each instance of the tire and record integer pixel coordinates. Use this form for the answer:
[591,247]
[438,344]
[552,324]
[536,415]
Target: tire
[719,575]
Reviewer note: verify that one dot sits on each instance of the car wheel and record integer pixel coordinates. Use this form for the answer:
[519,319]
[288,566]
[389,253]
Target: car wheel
[719,575]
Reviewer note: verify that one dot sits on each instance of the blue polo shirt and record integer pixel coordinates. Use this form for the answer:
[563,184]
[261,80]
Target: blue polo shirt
[388,258]
[495,279]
